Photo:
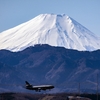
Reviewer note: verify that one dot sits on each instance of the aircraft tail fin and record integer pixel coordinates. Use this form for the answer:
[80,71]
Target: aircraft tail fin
[27,84]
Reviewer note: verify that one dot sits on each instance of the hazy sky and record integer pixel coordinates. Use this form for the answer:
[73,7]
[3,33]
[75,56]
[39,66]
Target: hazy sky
[15,12]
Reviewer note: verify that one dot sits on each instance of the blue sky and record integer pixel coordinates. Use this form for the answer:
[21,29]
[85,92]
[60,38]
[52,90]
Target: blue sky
[15,12]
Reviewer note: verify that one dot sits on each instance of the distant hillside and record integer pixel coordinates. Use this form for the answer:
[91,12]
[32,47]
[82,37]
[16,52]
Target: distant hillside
[44,64]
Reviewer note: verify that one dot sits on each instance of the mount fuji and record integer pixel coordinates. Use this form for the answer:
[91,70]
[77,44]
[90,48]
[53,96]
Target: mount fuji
[52,29]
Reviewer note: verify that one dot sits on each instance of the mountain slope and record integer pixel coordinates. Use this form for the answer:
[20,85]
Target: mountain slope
[44,64]
[55,30]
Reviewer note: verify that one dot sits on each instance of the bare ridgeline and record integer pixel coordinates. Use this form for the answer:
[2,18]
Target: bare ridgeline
[56,96]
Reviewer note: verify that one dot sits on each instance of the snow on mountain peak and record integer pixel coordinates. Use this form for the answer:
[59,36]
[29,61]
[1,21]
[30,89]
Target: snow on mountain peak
[52,29]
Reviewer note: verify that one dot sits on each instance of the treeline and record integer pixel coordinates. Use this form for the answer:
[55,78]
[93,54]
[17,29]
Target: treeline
[56,96]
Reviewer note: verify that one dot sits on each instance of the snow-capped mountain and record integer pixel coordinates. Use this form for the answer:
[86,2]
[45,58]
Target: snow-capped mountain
[52,29]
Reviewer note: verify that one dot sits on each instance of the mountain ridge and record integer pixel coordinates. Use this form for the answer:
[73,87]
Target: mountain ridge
[44,64]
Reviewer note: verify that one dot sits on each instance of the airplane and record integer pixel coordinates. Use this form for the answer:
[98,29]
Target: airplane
[38,88]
